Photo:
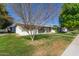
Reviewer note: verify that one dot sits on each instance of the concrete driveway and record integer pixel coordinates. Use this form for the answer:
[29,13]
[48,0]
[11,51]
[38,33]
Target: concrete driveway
[73,49]
[3,34]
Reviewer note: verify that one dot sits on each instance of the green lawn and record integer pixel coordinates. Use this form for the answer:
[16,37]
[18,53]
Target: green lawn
[46,44]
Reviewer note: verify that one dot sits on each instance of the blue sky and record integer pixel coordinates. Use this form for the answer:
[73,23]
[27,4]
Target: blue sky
[55,20]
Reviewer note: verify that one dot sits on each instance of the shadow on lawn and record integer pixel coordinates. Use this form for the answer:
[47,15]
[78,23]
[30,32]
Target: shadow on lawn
[38,37]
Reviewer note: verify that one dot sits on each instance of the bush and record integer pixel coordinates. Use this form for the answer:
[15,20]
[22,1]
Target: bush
[75,32]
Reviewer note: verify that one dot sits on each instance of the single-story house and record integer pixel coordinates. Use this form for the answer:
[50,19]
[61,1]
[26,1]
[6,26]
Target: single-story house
[22,30]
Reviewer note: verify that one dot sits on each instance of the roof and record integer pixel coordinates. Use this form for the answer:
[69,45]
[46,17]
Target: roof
[31,26]
[34,25]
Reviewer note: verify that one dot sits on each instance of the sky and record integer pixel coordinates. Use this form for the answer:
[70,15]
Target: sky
[53,21]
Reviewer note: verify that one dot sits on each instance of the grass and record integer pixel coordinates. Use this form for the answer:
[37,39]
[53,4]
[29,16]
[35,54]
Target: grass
[44,44]
[12,45]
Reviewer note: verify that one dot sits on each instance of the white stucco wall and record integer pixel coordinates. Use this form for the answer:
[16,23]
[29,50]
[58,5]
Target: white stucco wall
[21,32]
[53,31]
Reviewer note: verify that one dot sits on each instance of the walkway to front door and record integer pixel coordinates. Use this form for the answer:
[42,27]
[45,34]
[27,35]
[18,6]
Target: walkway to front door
[73,49]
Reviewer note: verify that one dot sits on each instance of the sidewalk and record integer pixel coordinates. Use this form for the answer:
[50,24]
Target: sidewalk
[73,49]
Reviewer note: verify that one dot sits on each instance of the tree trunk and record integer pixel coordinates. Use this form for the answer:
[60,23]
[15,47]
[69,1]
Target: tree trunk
[32,37]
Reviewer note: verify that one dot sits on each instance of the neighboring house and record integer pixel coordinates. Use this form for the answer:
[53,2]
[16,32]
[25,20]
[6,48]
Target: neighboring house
[11,28]
[62,29]
[22,31]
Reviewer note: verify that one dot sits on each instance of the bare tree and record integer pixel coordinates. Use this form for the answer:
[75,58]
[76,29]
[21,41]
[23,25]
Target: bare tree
[34,15]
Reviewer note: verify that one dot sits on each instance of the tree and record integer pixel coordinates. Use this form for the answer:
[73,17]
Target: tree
[5,19]
[34,16]
[69,16]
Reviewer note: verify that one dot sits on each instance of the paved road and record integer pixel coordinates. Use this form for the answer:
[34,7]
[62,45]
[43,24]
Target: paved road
[73,49]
